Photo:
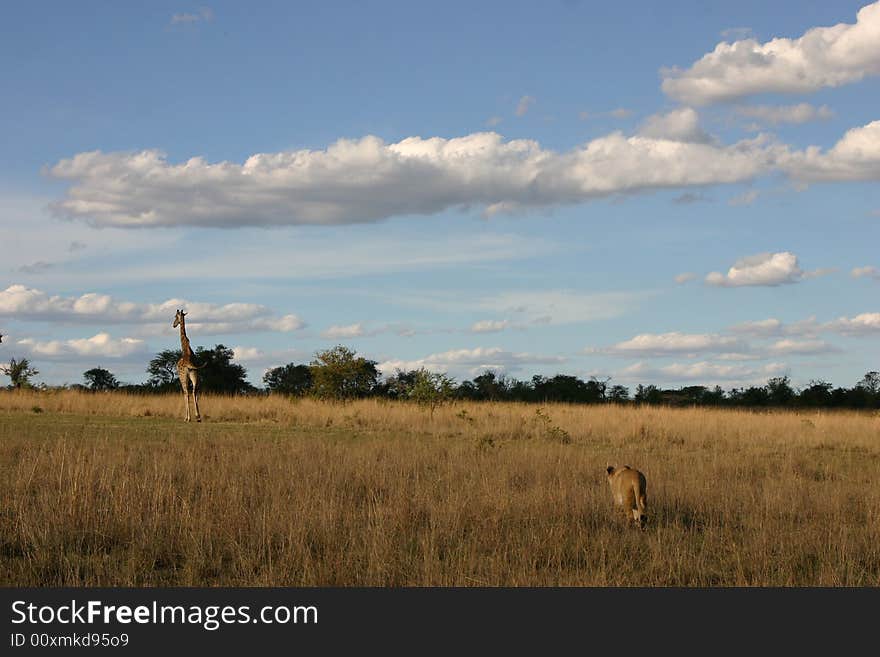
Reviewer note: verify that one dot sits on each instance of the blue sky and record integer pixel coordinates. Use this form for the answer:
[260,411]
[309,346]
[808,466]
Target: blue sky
[673,193]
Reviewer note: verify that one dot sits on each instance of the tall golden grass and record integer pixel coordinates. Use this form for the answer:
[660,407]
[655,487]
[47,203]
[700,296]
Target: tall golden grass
[115,490]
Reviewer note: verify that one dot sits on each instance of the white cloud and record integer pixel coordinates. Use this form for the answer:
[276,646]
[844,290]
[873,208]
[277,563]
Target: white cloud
[704,372]
[763,327]
[244,354]
[774,327]
[739,356]
[470,361]
[284,324]
[800,347]
[681,124]
[822,57]
[856,156]
[367,180]
[490,326]
[664,344]
[866,272]
[344,332]
[776,114]
[524,104]
[21,302]
[863,324]
[765,269]
[102,345]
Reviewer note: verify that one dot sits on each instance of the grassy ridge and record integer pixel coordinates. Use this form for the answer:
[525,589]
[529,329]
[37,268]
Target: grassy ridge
[117,490]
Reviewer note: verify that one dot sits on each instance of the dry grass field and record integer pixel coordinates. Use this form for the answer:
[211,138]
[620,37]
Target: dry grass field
[115,490]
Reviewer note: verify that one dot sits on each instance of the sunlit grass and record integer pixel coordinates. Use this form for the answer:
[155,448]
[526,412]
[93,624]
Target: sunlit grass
[117,490]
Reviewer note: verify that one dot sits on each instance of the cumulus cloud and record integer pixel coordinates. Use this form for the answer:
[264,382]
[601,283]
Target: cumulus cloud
[704,372]
[470,361]
[774,327]
[788,347]
[822,57]
[101,344]
[762,327]
[866,272]
[367,180]
[244,354]
[863,324]
[681,124]
[665,344]
[22,302]
[684,277]
[856,156]
[765,269]
[776,114]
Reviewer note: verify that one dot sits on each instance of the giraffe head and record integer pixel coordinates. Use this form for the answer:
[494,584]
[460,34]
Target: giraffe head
[178,319]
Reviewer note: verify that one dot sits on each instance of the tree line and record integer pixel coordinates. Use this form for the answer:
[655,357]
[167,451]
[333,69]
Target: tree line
[341,374]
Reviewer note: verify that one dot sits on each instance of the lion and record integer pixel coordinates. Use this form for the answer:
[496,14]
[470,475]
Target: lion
[629,490]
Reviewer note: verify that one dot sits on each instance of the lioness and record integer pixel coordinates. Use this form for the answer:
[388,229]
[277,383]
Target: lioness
[629,490]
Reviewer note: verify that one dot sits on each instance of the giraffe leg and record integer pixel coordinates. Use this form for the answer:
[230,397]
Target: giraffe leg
[195,381]
[183,384]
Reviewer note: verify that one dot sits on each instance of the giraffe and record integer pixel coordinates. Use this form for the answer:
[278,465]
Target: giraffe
[185,368]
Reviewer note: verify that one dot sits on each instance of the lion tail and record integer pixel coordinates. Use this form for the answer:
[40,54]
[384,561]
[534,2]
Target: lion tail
[641,502]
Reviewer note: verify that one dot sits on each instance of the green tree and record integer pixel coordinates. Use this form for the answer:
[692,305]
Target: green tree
[397,385]
[19,372]
[289,379]
[98,378]
[490,386]
[217,372]
[618,394]
[818,393]
[870,382]
[163,369]
[648,395]
[866,393]
[431,389]
[779,391]
[338,373]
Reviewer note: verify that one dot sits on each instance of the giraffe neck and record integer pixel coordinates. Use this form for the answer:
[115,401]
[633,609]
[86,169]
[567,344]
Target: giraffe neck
[186,350]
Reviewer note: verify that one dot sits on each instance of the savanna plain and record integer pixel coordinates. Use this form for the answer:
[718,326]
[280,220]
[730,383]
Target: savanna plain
[116,490]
